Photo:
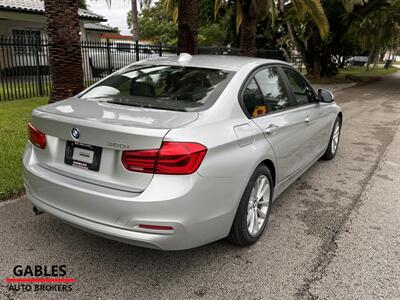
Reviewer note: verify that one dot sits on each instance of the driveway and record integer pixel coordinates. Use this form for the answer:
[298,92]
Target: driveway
[326,238]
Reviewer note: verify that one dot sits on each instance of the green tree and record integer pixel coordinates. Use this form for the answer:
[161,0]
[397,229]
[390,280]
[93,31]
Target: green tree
[156,26]
[319,54]
[250,12]
[160,26]
[378,32]
[82,4]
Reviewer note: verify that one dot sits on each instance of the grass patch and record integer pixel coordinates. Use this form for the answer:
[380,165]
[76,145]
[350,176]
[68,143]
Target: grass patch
[14,116]
[360,74]
[356,74]
[15,89]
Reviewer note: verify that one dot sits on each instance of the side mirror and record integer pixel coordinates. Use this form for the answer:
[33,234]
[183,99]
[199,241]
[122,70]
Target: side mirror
[325,96]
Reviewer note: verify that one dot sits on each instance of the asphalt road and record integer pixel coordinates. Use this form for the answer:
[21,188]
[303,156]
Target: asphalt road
[333,234]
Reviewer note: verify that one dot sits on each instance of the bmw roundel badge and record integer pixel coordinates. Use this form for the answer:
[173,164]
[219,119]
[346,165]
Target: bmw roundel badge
[75,133]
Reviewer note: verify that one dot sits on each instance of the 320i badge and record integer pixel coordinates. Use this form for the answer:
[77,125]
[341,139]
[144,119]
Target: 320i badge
[172,153]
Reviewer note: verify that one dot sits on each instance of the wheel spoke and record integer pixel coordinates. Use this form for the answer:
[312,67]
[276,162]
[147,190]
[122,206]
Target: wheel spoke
[262,188]
[261,213]
[255,227]
[253,193]
[337,130]
[250,213]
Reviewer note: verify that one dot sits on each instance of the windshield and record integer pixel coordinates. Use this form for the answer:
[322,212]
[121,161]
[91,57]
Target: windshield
[162,87]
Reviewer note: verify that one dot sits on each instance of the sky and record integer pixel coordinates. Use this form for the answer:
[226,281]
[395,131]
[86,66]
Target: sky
[115,14]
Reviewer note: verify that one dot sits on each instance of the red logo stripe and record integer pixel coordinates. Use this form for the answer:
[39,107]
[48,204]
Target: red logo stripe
[40,280]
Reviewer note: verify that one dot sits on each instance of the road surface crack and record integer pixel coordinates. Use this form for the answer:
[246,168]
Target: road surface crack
[328,249]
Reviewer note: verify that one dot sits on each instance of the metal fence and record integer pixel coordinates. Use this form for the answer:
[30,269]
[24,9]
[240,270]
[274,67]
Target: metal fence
[25,71]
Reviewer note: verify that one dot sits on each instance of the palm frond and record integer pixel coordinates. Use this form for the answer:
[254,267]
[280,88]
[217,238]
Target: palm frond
[239,15]
[349,4]
[316,11]
[171,5]
[175,14]
[217,6]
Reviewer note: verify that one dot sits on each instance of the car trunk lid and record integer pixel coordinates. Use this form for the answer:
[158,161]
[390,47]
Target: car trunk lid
[110,127]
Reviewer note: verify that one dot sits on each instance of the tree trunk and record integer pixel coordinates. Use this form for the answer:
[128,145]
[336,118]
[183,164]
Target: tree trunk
[248,32]
[396,46]
[376,59]
[371,55]
[187,26]
[64,48]
[135,21]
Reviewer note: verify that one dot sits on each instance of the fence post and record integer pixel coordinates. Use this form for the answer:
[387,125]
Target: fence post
[108,57]
[160,52]
[137,50]
[38,73]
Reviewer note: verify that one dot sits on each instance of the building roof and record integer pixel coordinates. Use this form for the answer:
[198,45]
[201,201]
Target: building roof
[37,7]
[99,27]
[116,36]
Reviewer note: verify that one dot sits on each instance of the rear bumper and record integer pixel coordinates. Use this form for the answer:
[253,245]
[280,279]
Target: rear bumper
[200,209]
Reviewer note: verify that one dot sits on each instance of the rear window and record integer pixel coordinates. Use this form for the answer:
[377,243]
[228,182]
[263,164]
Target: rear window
[162,87]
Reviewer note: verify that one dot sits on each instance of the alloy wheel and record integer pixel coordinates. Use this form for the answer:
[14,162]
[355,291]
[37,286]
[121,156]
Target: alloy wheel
[335,137]
[257,209]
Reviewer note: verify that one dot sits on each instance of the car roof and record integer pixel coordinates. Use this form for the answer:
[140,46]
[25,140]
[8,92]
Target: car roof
[223,62]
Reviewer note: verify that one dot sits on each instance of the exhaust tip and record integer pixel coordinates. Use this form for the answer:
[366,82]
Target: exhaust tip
[37,211]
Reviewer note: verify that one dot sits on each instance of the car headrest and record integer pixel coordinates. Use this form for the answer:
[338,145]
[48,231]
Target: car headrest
[142,89]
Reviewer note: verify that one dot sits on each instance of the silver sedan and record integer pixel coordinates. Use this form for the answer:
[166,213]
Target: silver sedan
[173,153]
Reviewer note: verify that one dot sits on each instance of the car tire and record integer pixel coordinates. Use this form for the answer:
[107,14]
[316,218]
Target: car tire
[334,140]
[240,231]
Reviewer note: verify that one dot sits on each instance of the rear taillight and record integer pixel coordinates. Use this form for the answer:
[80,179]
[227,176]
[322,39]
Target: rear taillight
[172,158]
[36,137]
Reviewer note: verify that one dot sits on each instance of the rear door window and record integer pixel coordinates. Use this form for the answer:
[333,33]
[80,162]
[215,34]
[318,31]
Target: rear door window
[266,93]
[253,99]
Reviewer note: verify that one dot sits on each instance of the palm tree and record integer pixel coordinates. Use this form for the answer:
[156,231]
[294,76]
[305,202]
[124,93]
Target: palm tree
[135,21]
[248,12]
[64,48]
[186,13]
[133,17]
[187,26]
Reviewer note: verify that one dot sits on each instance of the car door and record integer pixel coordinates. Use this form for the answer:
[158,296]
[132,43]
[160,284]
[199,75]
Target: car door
[313,113]
[267,101]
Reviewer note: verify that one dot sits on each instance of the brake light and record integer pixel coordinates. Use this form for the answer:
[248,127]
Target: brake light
[174,158]
[36,137]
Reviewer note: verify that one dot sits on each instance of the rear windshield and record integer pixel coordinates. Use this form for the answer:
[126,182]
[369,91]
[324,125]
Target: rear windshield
[162,87]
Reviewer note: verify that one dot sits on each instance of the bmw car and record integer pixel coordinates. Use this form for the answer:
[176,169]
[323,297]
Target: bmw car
[177,152]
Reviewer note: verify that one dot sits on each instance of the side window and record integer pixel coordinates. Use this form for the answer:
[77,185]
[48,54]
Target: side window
[273,90]
[265,93]
[302,91]
[253,99]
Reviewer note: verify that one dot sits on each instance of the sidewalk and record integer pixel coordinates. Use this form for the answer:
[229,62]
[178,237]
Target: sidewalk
[367,260]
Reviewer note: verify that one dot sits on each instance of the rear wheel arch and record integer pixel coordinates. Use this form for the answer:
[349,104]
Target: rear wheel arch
[239,233]
[270,165]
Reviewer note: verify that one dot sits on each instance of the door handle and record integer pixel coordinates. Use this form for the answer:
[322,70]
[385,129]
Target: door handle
[271,128]
[307,119]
